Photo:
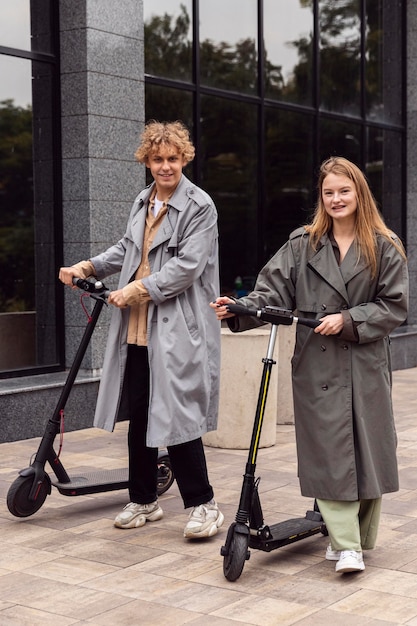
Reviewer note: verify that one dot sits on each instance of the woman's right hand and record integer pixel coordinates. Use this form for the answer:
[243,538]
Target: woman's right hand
[66,275]
[220,308]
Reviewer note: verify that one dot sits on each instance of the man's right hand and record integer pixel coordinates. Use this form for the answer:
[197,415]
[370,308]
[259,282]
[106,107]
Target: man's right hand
[66,275]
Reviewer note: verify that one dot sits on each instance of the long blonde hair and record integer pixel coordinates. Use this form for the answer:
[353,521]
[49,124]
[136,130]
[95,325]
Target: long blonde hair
[369,221]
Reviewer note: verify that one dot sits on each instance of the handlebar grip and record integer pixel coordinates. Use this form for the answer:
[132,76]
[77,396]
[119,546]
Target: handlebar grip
[306,321]
[274,315]
[239,309]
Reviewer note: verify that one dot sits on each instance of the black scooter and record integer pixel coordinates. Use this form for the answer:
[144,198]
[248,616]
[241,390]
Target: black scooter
[249,529]
[28,492]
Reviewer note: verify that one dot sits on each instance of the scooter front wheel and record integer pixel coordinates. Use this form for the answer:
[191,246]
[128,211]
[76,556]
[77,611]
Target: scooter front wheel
[238,553]
[18,501]
[165,474]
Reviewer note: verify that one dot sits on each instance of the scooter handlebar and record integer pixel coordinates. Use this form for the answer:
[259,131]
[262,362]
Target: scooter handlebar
[273,315]
[95,287]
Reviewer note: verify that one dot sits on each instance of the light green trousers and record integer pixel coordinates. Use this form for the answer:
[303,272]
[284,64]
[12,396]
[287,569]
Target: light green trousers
[351,525]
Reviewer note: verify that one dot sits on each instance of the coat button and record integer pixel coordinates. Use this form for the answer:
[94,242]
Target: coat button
[345,347]
[323,348]
[344,307]
[165,319]
[325,387]
[323,307]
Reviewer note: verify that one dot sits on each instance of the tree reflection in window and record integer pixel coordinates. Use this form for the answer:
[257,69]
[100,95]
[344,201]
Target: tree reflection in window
[16,208]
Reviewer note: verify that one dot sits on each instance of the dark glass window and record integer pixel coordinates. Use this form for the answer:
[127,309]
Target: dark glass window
[338,138]
[288,167]
[228,45]
[384,172]
[168,37]
[383,77]
[29,202]
[340,56]
[229,174]
[288,40]
[332,84]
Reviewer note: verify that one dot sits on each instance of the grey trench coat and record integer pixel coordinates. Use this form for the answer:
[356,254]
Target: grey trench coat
[345,432]
[183,334]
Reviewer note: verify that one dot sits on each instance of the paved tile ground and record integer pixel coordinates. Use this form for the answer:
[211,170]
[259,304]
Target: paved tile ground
[67,564]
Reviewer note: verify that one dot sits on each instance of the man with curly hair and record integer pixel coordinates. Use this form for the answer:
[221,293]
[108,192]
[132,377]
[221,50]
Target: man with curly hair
[162,359]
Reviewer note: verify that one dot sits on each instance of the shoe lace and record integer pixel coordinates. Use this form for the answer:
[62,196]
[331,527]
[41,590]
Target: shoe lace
[350,553]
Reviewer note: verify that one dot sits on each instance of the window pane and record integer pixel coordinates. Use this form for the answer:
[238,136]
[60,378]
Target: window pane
[288,38]
[384,172]
[288,166]
[168,38]
[340,50]
[17,284]
[229,175]
[228,45]
[15,24]
[383,61]
[27,249]
[339,139]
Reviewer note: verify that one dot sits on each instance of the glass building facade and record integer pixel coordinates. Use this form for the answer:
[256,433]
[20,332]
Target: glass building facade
[268,88]
[271,94]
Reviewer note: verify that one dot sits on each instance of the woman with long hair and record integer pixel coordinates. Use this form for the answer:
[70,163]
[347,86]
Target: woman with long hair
[347,269]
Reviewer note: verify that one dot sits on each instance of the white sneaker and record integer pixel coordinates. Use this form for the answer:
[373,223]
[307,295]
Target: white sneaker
[204,520]
[135,515]
[332,555]
[350,561]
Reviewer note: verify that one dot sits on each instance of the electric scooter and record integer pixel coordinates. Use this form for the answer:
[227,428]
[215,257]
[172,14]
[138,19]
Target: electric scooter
[249,529]
[28,492]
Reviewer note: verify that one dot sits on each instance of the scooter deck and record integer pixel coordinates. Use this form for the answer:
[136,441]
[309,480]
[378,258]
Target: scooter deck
[93,482]
[284,533]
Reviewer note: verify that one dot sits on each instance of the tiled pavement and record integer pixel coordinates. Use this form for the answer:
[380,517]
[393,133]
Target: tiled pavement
[68,565]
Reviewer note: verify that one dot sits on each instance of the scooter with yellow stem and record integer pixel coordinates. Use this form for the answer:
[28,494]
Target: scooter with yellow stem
[249,529]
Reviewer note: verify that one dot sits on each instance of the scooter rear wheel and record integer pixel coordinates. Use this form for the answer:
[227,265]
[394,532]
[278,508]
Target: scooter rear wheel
[238,553]
[18,501]
[165,474]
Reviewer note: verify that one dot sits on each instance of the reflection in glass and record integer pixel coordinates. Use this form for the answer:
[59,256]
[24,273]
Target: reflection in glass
[288,40]
[16,80]
[339,139]
[228,45]
[383,169]
[229,175]
[168,39]
[17,284]
[340,51]
[383,43]
[288,166]
[15,24]
[27,214]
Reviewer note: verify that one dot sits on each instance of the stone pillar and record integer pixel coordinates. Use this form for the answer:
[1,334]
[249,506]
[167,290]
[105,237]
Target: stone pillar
[102,93]
[411,159]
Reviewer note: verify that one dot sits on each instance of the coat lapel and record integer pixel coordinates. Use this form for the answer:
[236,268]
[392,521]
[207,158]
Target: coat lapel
[325,265]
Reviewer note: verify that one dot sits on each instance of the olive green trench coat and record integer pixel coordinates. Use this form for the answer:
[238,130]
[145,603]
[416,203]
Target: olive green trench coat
[345,432]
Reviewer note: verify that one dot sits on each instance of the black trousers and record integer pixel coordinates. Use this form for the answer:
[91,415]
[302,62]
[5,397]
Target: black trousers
[188,459]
